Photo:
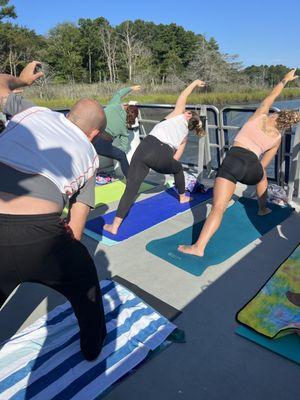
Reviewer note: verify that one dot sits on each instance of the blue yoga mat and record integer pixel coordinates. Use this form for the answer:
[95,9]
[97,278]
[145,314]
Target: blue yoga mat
[287,346]
[240,226]
[143,215]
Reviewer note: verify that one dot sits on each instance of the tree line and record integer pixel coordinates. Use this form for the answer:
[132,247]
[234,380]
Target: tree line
[92,50]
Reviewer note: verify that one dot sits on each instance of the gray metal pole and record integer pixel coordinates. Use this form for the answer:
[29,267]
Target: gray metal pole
[294,176]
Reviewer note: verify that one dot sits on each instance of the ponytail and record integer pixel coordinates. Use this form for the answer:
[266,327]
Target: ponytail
[132,114]
[195,124]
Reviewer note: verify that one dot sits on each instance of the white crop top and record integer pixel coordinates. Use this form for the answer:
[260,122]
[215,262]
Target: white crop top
[171,131]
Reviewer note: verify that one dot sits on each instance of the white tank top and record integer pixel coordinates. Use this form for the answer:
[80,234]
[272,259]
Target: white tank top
[171,131]
[44,142]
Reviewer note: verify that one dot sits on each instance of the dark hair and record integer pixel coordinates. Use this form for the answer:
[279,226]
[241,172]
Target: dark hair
[132,113]
[287,118]
[195,124]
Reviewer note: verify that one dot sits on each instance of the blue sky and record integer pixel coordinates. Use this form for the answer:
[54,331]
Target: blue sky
[261,32]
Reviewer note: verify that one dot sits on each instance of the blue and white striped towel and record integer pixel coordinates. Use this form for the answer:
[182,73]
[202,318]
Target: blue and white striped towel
[44,360]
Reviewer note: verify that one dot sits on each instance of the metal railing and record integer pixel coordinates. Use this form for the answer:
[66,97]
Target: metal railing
[211,149]
[220,135]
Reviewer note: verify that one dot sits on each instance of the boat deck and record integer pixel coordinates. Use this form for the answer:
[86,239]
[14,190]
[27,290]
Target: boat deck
[214,363]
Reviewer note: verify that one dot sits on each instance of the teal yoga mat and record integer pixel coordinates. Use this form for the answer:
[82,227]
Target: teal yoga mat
[286,346]
[240,226]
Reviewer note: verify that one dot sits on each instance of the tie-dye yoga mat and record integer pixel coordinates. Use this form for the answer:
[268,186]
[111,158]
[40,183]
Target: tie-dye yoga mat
[275,309]
[272,318]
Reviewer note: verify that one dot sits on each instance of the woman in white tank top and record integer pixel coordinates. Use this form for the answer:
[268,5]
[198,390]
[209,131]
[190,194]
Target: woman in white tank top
[161,151]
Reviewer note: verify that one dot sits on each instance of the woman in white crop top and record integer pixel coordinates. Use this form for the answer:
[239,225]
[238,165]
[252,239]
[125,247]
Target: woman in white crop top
[161,151]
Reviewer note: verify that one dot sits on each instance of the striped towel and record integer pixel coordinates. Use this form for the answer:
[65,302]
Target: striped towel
[44,360]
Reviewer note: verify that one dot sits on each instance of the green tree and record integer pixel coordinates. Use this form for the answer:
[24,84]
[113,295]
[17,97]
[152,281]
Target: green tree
[18,46]
[7,11]
[63,52]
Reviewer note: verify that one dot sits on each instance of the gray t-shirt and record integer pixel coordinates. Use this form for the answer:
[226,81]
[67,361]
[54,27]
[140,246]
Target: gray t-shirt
[20,183]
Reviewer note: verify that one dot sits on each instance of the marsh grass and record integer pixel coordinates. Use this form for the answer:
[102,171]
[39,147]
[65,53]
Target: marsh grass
[64,96]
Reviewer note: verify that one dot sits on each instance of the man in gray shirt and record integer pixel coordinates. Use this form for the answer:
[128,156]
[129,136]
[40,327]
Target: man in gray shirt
[35,245]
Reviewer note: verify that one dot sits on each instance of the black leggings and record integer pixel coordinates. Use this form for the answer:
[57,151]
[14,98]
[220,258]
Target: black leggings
[105,148]
[241,165]
[37,248]
[151,153]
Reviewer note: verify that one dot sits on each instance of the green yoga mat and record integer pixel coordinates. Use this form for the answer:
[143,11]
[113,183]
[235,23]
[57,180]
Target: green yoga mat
[112,192]
[286,346]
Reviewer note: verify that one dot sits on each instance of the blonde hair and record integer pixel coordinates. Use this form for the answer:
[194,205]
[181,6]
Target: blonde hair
[287,118]
[195,124]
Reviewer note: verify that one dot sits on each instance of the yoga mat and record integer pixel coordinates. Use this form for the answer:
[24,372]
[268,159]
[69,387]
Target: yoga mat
[165,309]
[272,311]
[111,192]
[44,360]
[286,346]
[240,226]
[143,215]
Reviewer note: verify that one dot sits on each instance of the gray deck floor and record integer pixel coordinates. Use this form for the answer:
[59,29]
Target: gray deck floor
[215,363]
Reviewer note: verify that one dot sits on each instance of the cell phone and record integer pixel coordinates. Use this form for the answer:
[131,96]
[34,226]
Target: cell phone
[38,68]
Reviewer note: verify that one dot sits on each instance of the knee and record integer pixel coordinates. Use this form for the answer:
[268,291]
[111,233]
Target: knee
[218,209]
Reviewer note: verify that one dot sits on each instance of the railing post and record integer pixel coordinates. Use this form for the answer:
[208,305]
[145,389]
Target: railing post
[294,176]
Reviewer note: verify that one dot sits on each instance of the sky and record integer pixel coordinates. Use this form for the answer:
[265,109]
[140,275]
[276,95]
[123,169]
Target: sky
[260,32]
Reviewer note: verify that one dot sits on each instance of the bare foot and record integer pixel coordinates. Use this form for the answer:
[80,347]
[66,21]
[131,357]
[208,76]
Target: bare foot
[264,212]
[191,250]
[110,228]
[185,199]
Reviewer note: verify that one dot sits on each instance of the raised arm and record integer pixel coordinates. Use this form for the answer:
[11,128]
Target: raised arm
[269,100]
[117,97]
[9,83]
[182,98]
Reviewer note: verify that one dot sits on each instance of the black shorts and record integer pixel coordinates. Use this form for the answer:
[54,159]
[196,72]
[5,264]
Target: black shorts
[241,165]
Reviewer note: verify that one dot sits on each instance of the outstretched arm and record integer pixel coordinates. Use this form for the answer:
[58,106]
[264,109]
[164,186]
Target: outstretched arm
[180,150]
[182,98]
[269,100]
[117,97]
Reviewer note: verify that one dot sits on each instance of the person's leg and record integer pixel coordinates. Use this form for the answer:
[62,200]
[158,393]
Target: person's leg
[79,283]
[138,171]
[9,278]
[105,148]
[120,156]
[262,195]
[46,254]
[166,164]
[177,170]
[223,191]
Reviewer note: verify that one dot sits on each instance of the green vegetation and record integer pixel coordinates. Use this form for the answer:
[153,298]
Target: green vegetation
[216,98]
[94,58]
